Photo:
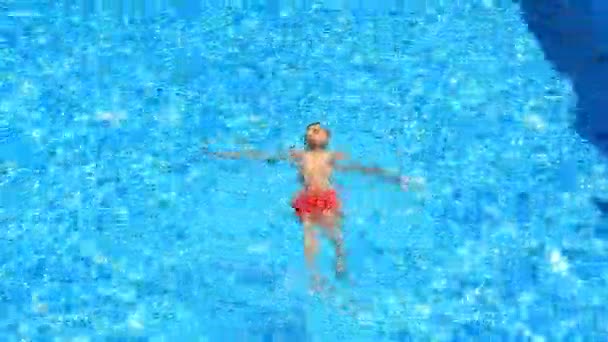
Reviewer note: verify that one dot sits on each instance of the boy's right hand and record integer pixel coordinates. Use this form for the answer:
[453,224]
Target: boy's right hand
[412,183]
[204,146]
[294,154]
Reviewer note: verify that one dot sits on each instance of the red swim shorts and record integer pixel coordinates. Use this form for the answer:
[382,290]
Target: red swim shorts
[315,203]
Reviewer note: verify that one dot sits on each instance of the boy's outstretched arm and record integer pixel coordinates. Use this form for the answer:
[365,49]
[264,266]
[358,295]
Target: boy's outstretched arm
[251,154]
[356,167]
[391,176]
[375,171]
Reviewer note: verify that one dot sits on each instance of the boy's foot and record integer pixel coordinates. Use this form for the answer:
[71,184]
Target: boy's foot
[316,284]
[340,270]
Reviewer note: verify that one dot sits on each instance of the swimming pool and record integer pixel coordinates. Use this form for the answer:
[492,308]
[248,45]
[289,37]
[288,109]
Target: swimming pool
[117,228]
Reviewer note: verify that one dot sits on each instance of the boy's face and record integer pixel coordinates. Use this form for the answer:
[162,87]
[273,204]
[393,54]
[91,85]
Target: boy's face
[316,136]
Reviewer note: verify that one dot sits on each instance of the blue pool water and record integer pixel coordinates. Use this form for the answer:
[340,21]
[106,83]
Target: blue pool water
[114,227]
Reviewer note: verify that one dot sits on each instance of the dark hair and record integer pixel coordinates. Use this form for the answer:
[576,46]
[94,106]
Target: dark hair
[319,124]
[325,129]
[313,124]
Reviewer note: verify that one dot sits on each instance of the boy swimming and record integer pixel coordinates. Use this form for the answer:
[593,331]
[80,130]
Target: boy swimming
[318,204]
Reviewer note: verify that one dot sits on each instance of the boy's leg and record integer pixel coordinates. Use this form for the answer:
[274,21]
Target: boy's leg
[333,228]
[311,246]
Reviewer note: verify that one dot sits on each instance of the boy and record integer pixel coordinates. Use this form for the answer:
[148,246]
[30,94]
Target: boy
[317,204]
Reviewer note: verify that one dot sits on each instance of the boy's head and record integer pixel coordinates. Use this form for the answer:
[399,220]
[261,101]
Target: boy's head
[316,137]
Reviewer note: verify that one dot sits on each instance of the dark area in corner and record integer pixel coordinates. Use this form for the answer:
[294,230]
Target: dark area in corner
[574,37]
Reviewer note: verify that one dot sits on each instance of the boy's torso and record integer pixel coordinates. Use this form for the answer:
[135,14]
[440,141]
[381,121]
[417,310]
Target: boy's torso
[316,169]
